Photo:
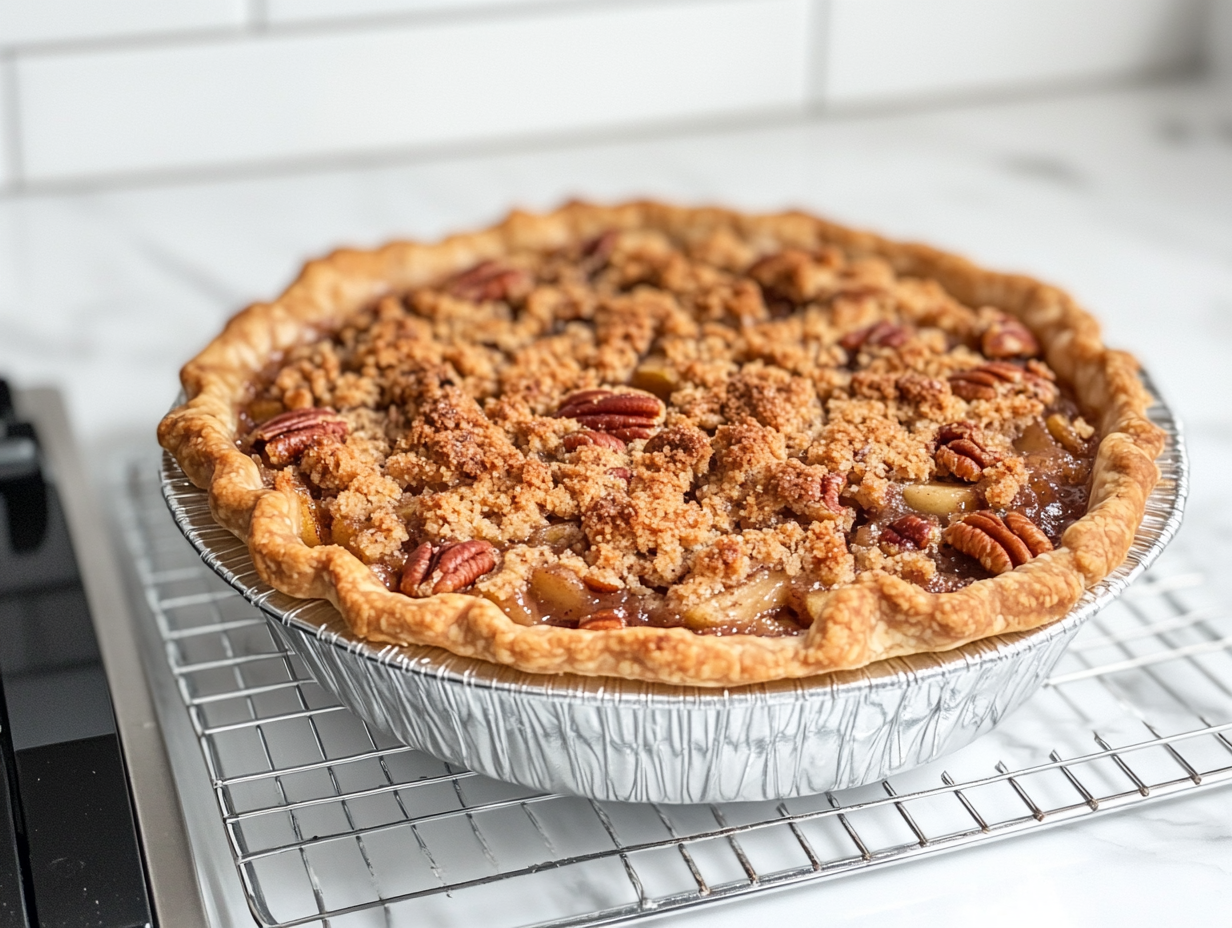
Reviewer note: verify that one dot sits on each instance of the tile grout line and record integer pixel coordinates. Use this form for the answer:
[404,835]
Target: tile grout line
[255,24]
[29,176]
[257,18]
[752,120]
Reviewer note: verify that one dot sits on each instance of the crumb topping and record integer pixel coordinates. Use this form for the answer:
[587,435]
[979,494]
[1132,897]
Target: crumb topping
[641,430]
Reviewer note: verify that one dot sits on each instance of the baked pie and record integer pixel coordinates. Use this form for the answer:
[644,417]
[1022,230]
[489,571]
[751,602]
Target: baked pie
[680,445]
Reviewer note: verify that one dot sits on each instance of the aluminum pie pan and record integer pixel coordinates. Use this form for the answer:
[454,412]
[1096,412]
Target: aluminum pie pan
[628,740]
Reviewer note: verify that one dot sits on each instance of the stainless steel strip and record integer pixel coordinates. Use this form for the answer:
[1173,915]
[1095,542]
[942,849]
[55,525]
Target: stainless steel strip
[169,867]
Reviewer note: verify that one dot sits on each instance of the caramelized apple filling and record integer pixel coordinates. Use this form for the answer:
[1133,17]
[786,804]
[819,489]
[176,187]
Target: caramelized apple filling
[636,430]
[769,604]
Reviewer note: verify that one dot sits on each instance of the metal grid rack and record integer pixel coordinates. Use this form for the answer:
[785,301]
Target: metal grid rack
[330,823]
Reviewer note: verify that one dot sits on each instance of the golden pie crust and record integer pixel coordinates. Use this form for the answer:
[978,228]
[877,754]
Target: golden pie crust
[877,616]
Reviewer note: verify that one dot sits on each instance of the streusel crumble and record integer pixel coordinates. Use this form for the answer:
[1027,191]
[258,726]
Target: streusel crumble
[681,445]
[638,429]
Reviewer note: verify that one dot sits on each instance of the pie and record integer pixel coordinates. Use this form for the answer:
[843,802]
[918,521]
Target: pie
[680,445]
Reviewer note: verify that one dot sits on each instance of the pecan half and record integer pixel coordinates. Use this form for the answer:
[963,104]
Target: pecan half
[597,251]
[460,565]
[831,484]
[1006,337]
[999,544]
[1036,541]
[909,532]
[879,334]
[620,473]
[981,383]
[576,440]
[961,451]
[490,280]
[628,416]
[417,568]
[605,620]
[285,437]
[455,565]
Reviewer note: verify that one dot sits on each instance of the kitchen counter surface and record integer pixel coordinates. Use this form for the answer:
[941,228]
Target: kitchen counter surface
[1123,197]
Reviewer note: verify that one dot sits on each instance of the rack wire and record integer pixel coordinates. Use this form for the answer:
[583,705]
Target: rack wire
[328,822]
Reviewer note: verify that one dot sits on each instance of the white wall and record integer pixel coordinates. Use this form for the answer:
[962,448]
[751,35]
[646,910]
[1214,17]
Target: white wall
[132,89]
[1218,46]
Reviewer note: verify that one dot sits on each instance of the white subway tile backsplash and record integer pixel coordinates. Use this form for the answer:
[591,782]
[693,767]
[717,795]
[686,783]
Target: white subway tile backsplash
[8,142]
[293,96]
[898,49]
[36,21]
[294,11]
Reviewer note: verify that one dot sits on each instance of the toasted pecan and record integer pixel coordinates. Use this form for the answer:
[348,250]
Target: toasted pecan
[998,544]
[581,439]
[1006,337]
[490,280]
[605,620]
[627,416]
[882,334]
[909,532]
[455,565]
[285,437]
[962,452]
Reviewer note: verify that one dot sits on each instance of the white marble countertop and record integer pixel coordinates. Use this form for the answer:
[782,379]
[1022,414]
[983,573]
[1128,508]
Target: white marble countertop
[1124,198]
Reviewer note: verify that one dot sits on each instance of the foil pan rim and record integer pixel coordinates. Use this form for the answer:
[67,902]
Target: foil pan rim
[224,553]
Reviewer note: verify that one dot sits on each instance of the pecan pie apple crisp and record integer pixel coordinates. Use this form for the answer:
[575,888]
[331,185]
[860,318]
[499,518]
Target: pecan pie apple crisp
[679,445]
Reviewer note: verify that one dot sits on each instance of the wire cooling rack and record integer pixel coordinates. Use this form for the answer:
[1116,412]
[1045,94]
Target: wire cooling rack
[322,820]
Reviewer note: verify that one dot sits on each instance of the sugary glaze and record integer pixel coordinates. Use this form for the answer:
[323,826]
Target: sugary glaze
[637,430]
